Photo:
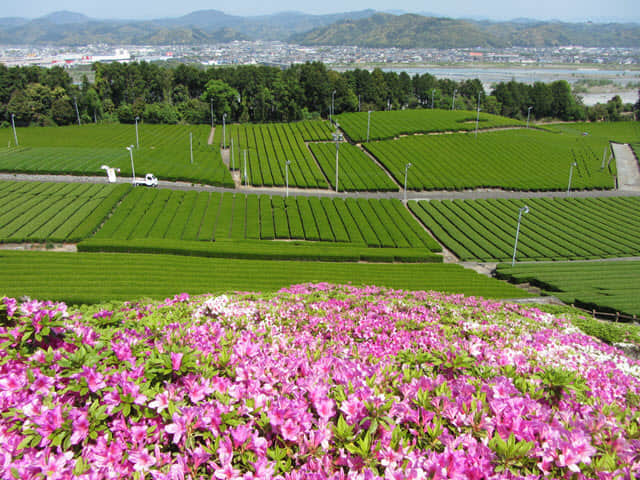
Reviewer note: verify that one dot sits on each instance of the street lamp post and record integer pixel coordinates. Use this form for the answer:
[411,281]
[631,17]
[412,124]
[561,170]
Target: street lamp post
[368,124]
[245,166]
[478,116]
[137,138]
[337,137]
[224,131]
[286,174]
[406,173]
[233,162]
[13,124]
[433,96]
[75,102]
[333,94]
[524,209]
[528,114]
[133,170]
[191,145]
[574,164]
[453,103]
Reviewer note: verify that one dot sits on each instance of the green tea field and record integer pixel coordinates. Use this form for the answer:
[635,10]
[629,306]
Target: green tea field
[388,125]
[513,160]
[605,286]
[554,228]
[98,277]
[54,212]
[164,150]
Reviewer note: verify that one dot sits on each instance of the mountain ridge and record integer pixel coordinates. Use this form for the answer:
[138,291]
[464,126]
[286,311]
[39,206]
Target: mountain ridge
[366,28]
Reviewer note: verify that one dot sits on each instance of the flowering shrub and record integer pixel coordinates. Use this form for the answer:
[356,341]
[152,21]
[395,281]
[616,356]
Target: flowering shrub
[316,381]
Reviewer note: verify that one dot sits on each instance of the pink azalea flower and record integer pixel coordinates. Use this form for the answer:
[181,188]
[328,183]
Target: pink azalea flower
[80,427]
[160,402]
[227,472]
[325,408]
[95,380]
[142,460]
[290,430]
[177,428]
[176,360]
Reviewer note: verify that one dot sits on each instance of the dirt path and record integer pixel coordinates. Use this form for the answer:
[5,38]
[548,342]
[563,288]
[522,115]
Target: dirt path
[628,168]
[213,132]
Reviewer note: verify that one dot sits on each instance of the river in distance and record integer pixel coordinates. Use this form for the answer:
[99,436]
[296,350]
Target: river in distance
[491,75]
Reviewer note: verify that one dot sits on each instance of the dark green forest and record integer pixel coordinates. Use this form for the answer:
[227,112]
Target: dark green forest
[190,94]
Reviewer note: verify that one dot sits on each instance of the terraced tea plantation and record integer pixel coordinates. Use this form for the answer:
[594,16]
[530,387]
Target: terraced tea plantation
[164,151]
[93,277]
[554,229]
[620,132]
[178,216]
[54,212]
[604,286]
[268,148]
[522,159]
[357,172]
[387,125]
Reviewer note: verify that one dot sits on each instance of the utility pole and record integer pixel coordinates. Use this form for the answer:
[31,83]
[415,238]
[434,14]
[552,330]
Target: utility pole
[524,209]
[137,138]
[13,124]
[245,166]
[75,102]
[337,137]
[406,173]
[478,116]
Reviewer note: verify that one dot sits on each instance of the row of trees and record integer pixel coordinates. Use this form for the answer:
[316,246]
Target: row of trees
[191,94]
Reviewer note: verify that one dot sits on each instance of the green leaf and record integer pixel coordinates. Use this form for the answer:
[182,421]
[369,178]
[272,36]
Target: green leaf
[26,441]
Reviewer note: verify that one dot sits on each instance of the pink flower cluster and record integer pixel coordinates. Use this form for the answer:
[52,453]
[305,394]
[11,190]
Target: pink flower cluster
[315,382]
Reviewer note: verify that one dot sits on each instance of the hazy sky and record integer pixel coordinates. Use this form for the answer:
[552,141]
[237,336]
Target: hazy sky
[567,10]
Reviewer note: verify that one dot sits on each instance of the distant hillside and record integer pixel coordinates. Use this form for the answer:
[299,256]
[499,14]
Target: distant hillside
[364,28]
[416,31]
[404,31]
[204,26]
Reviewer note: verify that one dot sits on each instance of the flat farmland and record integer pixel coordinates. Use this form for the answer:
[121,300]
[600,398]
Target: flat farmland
[522,159]
[269,146]
[605,286]
[164,151]
[554,229]
[388,125]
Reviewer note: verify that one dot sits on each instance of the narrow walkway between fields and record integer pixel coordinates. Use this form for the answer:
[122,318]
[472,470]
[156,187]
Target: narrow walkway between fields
[213,132]
[627,166]
[411,195]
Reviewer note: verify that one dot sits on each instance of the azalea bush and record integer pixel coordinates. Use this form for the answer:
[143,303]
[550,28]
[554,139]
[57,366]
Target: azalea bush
[316,381]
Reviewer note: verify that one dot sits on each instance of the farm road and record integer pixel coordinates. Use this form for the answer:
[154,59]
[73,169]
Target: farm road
[627,166]
[633,190]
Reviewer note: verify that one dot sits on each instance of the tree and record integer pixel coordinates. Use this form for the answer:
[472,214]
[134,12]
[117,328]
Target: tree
[160,113]
[194,111]
[62,112]
[221,95]
[125,113]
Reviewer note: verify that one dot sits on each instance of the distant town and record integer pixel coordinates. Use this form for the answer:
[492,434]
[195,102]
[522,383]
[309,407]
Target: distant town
[282,54]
